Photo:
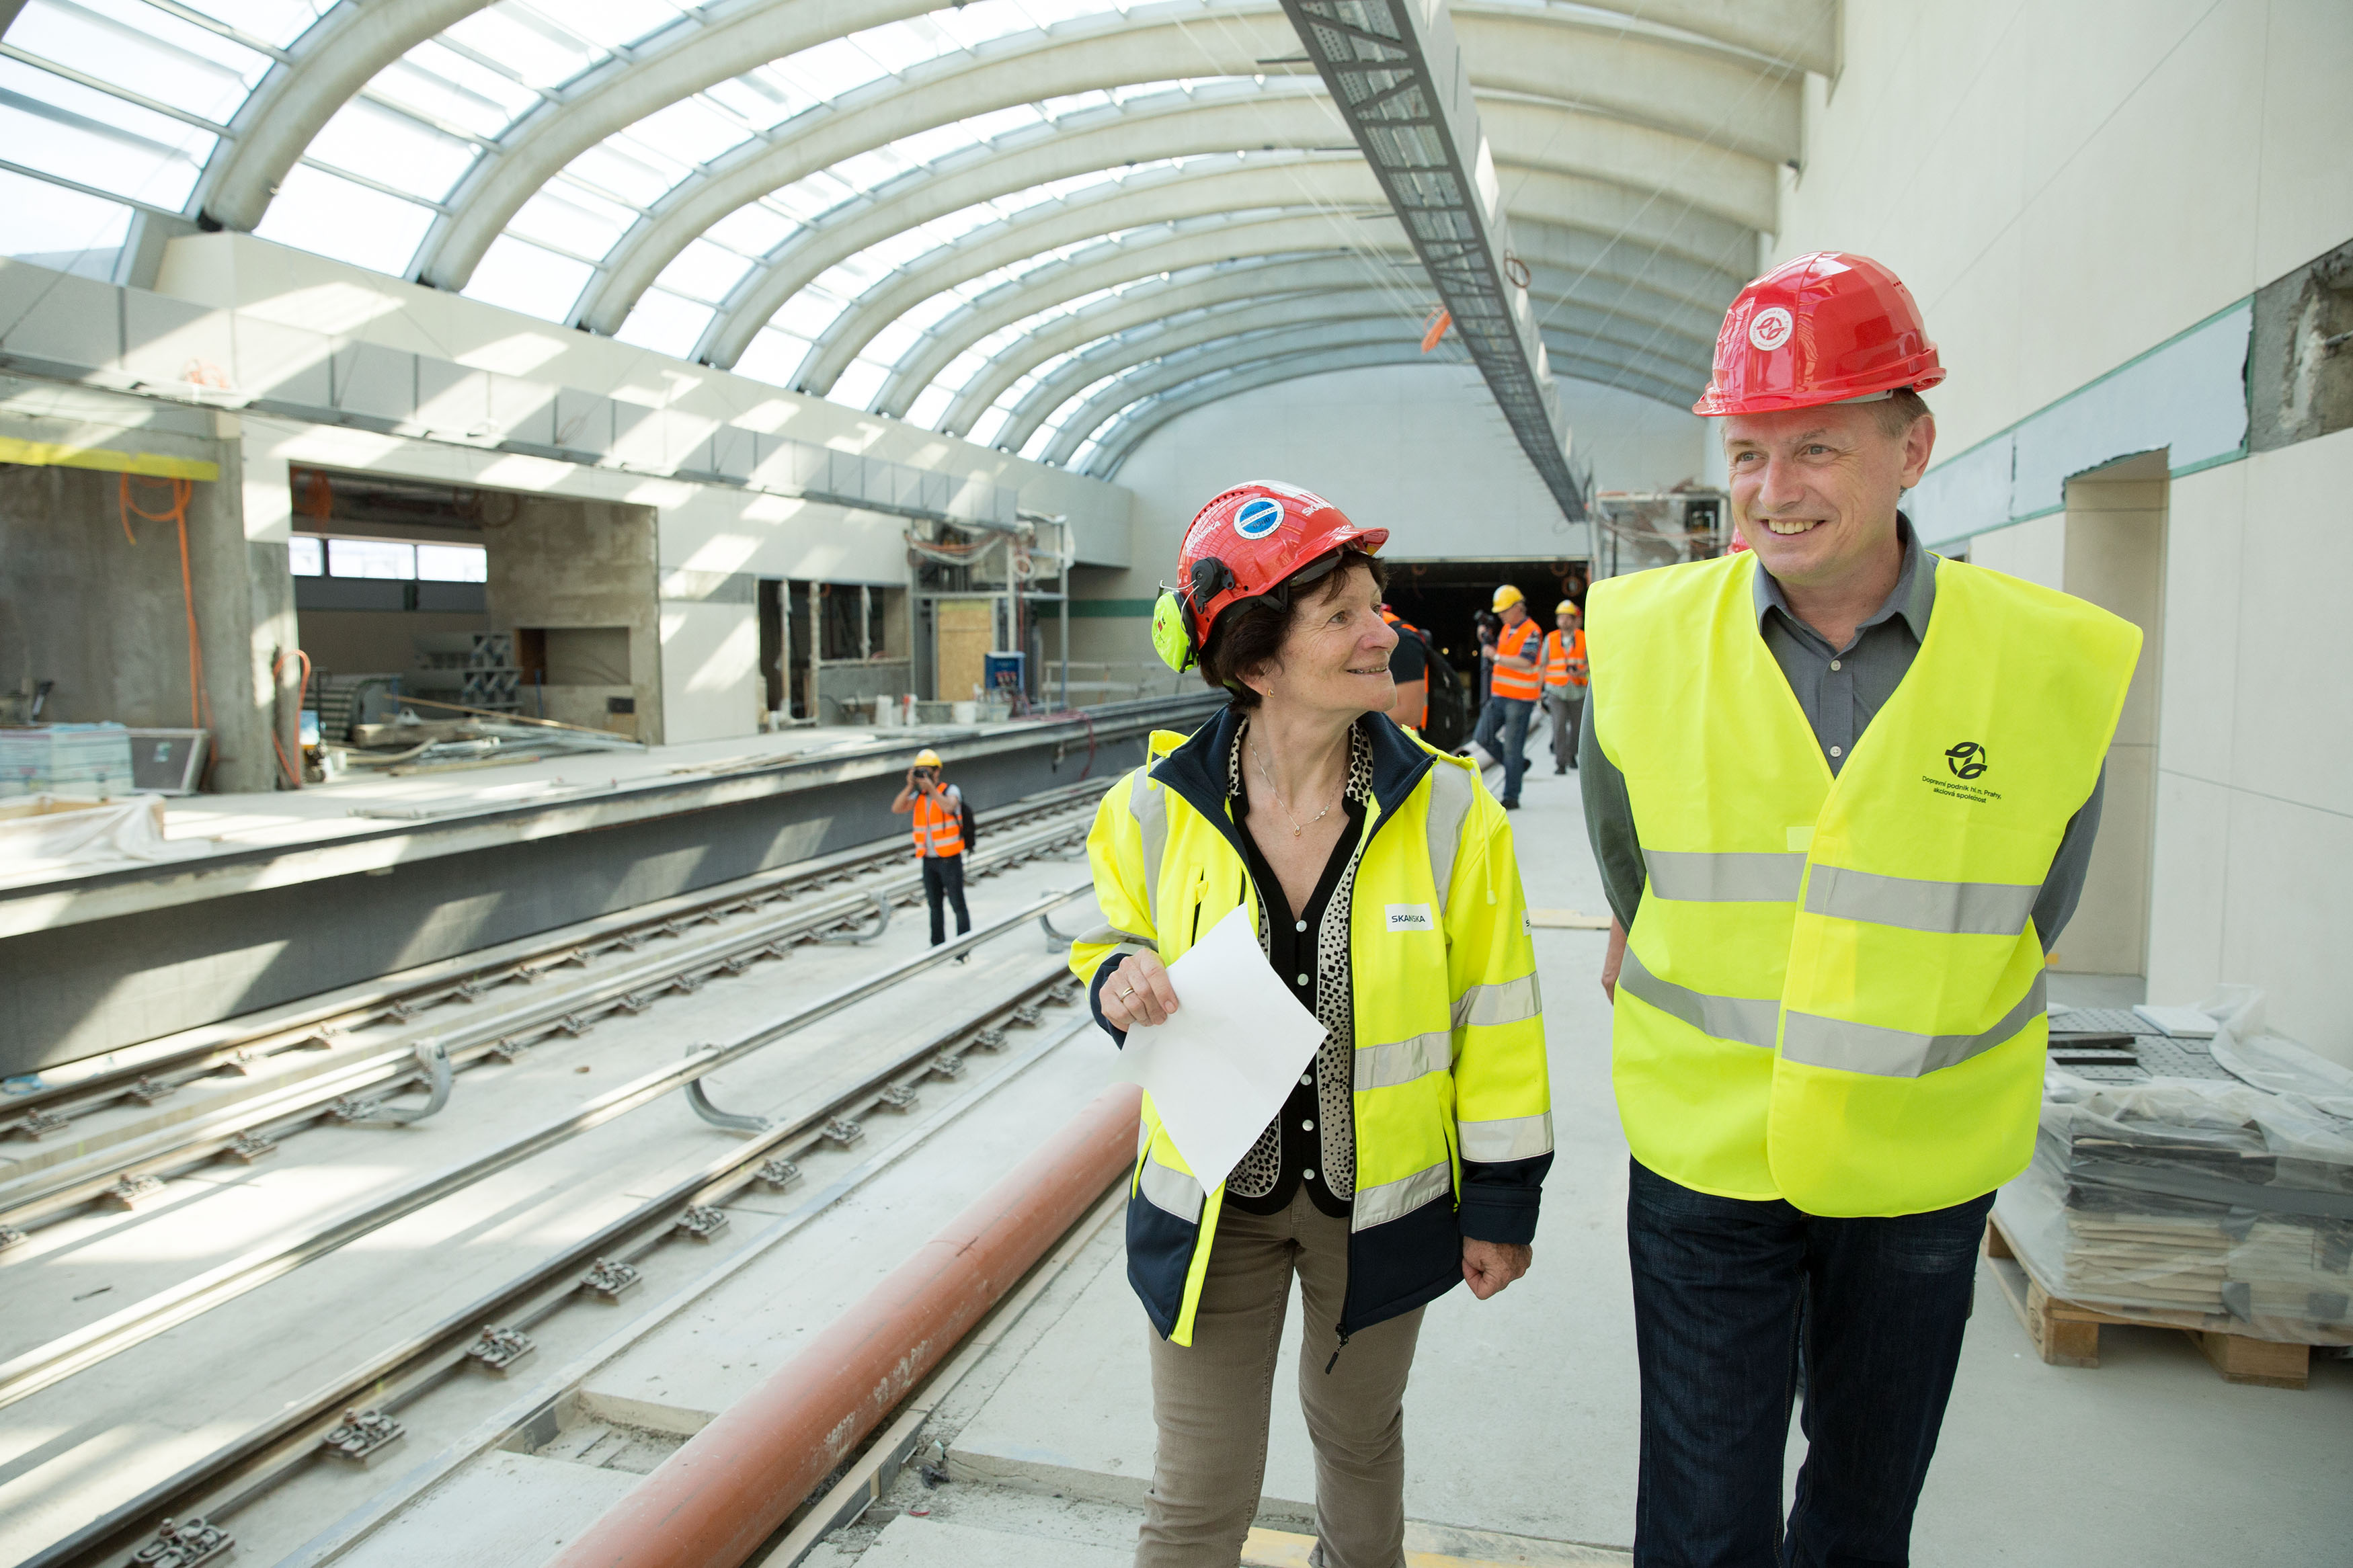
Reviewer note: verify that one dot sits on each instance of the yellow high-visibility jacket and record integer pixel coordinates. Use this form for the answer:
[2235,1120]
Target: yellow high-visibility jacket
[1453,1110]
[1834,990]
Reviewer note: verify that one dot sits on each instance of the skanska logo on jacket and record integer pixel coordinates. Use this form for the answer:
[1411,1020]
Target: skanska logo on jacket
[1409,916]
[1259,516]
[1967,760]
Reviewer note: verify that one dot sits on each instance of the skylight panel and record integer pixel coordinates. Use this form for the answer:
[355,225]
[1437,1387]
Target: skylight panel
[761,97]
[806,314]
[997,123]
[939,142]
[666,323]
[614,23]
[370,140]
[60,229]
[774,357]
[439,82]
[60,127]
[524,277]
[570,218]
[704,271]
[938,307]
[542,54]
[1074,104]
[931,406]
[143,50]
[896,45]
[988,427]
[1047,13]
[828,69]
[278,21]
[688,130]
[890,344]
[636,175]
[315,211]
[755,229]
[811,197]
[885,255]
[849,278]
[858,386]
[983,21]
[873,169]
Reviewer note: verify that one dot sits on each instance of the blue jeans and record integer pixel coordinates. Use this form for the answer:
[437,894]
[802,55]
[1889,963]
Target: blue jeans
[1504,732]
[1741,1307]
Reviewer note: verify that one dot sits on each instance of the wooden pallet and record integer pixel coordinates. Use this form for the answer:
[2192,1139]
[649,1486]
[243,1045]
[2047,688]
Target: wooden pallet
[2066,1333]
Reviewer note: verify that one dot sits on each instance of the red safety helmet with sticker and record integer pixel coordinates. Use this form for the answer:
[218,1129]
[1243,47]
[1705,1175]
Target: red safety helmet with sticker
[1825,328]
[1255,541]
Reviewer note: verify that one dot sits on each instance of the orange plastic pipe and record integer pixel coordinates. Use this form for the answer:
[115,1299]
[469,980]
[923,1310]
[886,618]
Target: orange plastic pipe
[713,1502]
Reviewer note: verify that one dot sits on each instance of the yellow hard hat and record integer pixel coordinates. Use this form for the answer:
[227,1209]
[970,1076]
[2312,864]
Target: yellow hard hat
[1506,596]
[927,758]
[1567,608]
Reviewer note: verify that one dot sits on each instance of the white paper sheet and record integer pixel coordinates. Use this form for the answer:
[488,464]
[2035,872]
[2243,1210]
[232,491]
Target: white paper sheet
[1227,1058]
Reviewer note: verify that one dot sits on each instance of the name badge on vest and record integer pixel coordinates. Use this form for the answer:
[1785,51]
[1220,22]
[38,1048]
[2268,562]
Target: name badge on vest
[1410,917]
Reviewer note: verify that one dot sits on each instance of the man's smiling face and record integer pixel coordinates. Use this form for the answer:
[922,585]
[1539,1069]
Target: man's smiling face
[1814,489]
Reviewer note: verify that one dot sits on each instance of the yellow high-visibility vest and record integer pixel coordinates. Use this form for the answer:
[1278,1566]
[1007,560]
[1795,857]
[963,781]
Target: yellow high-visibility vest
[1833,990]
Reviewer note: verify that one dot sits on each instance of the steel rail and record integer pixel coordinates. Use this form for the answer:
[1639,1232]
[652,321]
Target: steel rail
[214,1487]
[61,1358]
[255,1123]
[148,1077]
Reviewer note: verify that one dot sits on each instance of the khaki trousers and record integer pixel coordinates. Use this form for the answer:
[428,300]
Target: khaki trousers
[1211,1402]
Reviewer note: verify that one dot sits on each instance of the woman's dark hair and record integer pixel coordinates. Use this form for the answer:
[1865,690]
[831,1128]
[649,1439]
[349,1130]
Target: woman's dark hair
[1251,632]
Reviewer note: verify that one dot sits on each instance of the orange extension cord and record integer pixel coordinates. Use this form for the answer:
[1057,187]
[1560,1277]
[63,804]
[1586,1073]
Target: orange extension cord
[277,683]
[199,706]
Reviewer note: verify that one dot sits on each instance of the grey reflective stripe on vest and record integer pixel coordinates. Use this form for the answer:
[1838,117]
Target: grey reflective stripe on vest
[1897,1053]
[1402,1061]
[1733,879]
[1451,791]
[1112,936]
[1395,1200]
[1171,1190]
[1514,1138]
[1960,908]
[1506,1002]
[1148,803]
[1750,1021]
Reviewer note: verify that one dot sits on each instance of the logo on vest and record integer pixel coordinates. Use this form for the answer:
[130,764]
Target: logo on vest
[1409,916]
[1966,760]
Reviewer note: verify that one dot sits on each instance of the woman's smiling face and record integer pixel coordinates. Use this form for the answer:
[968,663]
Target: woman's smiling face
[1335,653]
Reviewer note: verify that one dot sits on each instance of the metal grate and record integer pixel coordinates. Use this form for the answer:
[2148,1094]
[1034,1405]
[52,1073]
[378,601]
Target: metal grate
[1418,129]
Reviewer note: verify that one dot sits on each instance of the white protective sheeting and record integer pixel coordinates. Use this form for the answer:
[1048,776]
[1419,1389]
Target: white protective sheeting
[46,833]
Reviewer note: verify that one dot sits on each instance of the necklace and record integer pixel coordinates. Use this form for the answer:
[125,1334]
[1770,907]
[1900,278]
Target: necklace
[1297,827]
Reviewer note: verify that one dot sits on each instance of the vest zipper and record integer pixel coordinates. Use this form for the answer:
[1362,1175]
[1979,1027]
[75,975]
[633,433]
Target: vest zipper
[1337,1350]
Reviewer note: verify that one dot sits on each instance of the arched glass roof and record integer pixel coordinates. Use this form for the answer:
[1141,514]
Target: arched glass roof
[1040,223]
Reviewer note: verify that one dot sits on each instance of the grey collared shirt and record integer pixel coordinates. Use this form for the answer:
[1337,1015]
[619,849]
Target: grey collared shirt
[1841,690]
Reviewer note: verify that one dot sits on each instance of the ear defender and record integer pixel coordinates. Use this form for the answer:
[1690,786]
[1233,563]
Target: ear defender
[1170,639]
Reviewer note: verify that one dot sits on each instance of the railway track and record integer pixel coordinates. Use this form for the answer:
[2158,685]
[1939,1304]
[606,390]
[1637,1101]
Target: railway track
[347,1056]
[187,1518]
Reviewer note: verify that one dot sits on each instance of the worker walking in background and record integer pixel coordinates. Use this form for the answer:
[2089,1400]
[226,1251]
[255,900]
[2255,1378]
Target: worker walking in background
[1563,681]
[1843,793]
[1512,691]
[1409,670]
[940,816]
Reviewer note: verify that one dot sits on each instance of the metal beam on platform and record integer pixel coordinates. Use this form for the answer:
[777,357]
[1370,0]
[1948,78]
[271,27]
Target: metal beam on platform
[1397,78]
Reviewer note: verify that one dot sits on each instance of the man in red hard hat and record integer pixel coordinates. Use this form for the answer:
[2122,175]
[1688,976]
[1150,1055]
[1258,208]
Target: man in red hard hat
[1843,793]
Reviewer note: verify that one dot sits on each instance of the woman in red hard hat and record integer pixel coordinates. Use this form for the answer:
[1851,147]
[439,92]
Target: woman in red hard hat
[1842,794]
[1378,879]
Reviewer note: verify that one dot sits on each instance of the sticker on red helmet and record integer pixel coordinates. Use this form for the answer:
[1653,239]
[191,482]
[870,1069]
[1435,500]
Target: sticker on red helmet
[1770,328]
[1257,517]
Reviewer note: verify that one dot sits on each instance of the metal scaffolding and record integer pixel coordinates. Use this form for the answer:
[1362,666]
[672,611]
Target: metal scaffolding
[1397,76]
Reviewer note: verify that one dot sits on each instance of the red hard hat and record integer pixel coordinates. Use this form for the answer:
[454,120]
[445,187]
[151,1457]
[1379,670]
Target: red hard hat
[1825,328]
[1246,542]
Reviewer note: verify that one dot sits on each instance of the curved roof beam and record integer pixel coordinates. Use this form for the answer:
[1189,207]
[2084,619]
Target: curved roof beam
[1589,253]
[1289,120]
[1555,254]
[1139,421]
[1801,34]
[1334,179]
[1547,134]
[1115,356]
[336,58]
[952,88]
[1226,353]
[511,171]
[1255,278]
[1109,266]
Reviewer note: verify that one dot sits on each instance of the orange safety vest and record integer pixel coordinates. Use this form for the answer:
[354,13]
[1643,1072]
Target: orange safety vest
[1560,654]
[939,825]
[1405,628]
[1521,685]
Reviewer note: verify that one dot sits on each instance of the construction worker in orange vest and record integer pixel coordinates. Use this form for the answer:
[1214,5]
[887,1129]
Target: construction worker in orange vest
[1511,690]
[1410,668]
[938,810]
[1563,681]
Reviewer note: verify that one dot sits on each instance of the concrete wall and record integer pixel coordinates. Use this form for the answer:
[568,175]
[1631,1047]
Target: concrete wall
[584,574]
[2083,201]
[105,619]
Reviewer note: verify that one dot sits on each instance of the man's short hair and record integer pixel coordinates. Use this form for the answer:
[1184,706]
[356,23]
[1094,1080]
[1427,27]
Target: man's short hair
[1898,414]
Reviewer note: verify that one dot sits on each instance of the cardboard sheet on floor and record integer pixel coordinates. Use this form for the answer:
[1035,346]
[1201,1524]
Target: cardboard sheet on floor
[1226,1060]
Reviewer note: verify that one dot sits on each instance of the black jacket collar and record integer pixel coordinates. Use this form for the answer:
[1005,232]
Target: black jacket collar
[1196,770]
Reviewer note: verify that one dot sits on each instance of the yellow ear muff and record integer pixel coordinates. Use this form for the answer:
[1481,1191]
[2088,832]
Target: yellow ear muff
[1170,640]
